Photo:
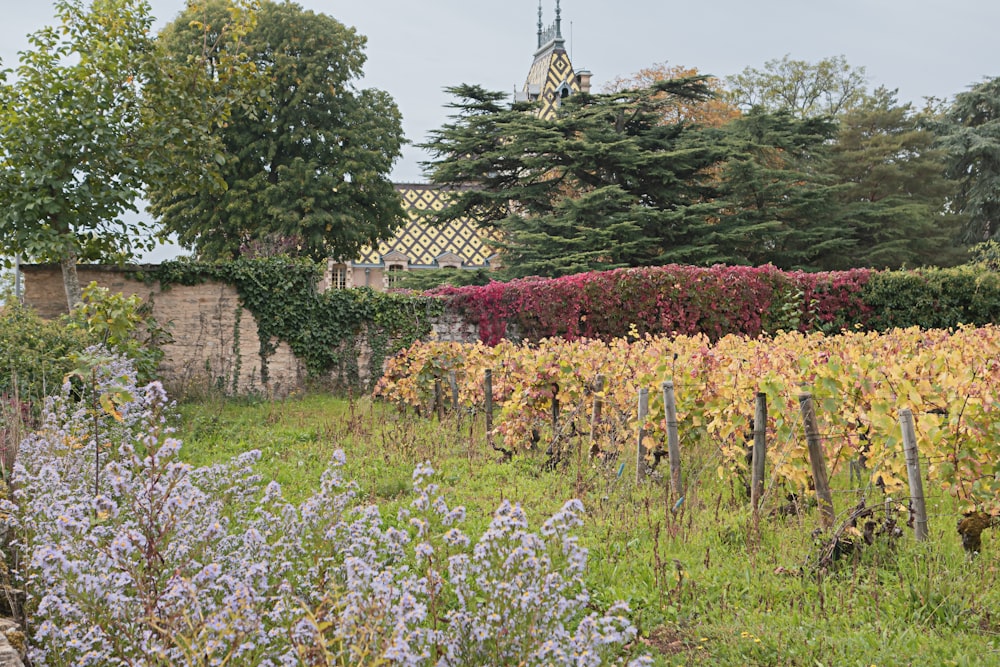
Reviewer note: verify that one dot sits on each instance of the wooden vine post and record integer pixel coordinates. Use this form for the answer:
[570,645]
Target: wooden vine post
[488,391]
[595,419]
[917,505]
[817,460]
[673,439]
[555,409]
[438,398]
[453,381]
[759,451]
[640,450]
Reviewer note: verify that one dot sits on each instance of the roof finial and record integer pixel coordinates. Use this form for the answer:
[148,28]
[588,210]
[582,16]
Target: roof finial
[558,21]
[539,24]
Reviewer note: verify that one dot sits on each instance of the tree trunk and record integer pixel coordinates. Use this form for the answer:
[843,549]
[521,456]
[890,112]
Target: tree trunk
[71,282]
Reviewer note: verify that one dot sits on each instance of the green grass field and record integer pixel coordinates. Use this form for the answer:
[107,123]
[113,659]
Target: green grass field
[706,586]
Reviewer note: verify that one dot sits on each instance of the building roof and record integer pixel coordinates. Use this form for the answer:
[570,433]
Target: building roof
[422,240]
[551,76]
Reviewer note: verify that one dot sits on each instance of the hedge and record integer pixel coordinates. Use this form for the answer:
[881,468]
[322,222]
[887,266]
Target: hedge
[723,300]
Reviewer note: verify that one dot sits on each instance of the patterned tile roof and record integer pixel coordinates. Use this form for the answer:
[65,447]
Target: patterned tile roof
[550,75]
[550,78]
[422,241]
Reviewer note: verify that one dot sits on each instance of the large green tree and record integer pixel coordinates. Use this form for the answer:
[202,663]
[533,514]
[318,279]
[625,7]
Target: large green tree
[602,184]
[306,162]
[825,88]
[87,119]
[971,135]
[776,199]
[894,189]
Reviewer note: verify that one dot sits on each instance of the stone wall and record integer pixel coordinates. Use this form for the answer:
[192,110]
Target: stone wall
[215,343]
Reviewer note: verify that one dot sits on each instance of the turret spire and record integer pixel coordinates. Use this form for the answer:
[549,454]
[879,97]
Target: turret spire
[539,24]
[554,31]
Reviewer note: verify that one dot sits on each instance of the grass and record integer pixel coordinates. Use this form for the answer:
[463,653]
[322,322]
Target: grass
[705,586]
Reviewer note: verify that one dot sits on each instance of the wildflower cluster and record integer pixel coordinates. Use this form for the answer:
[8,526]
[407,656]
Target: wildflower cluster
[133,557]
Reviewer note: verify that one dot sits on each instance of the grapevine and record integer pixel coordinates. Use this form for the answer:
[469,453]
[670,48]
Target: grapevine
[859,381]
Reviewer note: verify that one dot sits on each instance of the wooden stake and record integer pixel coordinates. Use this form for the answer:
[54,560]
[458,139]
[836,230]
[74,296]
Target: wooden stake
[595,418]
[818,461]
[640,451]
[673,439]
[488,390]
[438,399]
[917,505]
[555,410]
[453,381]
[759,450]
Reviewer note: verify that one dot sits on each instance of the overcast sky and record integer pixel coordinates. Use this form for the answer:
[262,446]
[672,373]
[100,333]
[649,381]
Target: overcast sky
[417,47]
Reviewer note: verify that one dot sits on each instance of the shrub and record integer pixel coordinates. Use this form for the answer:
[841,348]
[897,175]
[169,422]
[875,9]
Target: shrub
[35,354]
[124,324]
[133,557]
[933,298]
[670,299]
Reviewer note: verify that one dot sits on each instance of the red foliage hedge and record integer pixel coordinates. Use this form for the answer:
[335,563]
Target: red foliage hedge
[671,299]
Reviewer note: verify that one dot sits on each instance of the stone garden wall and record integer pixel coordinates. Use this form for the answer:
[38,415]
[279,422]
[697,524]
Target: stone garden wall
[215,342]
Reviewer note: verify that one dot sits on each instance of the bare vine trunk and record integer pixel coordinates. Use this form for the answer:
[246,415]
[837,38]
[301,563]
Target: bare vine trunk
[71,282]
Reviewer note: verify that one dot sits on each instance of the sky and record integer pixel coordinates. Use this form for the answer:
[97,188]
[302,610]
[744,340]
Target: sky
[418,47]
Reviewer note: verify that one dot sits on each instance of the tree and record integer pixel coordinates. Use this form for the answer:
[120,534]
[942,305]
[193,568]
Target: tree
[895,190]
[603,184]
[308,160]
[971,135]
[776,199]
[66,131]
[80,140]
[714,111]
[828,87]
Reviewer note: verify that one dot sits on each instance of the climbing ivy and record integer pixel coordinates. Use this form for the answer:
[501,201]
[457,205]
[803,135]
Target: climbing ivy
[321,328]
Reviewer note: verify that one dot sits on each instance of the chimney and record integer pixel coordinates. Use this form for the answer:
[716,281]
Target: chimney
[583,78]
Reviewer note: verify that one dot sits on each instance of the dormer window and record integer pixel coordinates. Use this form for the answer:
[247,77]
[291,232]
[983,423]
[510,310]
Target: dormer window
[393,275]
[395,263]
[449,260]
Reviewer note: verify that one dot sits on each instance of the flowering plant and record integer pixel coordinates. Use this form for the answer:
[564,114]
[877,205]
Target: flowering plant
[154,562]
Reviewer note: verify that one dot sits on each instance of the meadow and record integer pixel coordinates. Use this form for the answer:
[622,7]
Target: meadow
[706,583]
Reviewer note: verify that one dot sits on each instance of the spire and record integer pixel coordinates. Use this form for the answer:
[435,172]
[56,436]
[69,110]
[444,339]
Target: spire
[539,24]
[554,32]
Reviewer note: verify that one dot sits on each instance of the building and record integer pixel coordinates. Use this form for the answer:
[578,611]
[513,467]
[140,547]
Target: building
[420,244]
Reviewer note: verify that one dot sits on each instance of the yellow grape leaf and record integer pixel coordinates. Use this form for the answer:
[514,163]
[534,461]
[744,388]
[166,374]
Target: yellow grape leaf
[109,407]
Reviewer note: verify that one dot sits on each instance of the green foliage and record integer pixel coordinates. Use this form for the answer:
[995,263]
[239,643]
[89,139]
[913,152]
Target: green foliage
[603,184]
[986,255]
[320,328]
[82,134]
[35,354]
[428,279]
[123,324]
[68,126]
[971,135]
[307,160]
[825,88]
[894,190]
[932,298]
[775,196]
[606,184]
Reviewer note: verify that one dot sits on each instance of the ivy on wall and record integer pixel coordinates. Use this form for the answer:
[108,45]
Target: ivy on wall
[321,328]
